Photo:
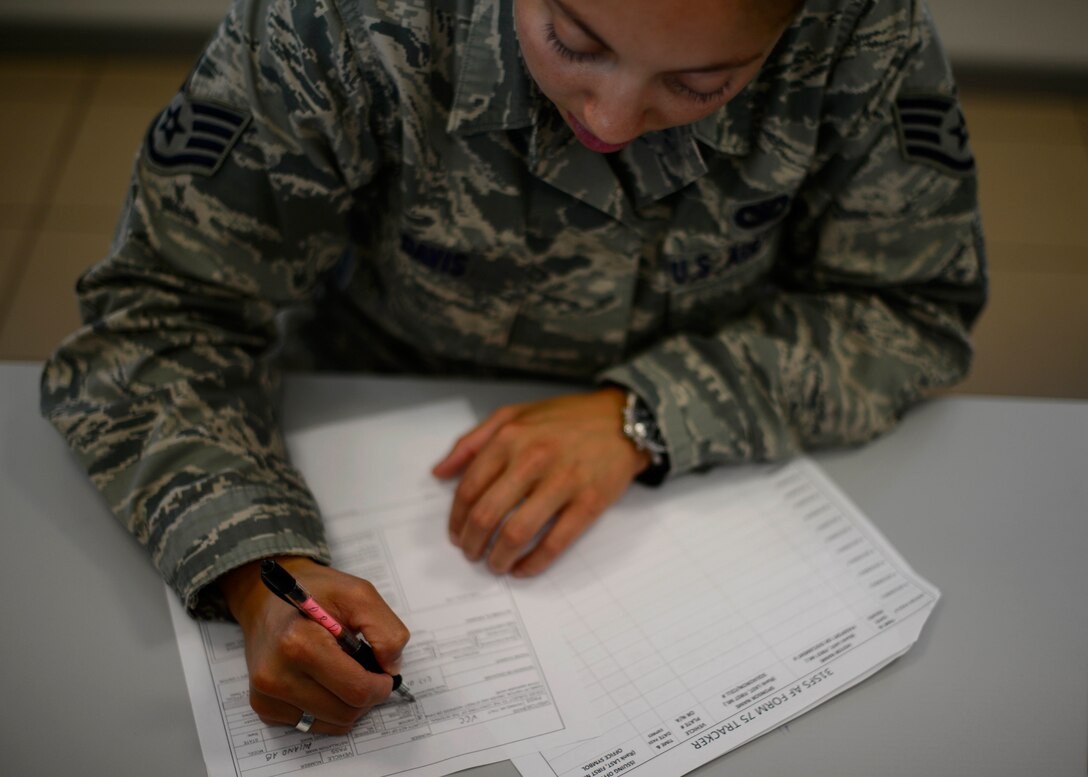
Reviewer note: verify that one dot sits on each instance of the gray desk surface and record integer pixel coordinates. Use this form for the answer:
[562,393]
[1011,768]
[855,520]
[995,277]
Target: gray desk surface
[987,498]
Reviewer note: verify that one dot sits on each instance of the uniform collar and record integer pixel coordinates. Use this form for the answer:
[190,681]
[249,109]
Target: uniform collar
[730,129]
[494,92]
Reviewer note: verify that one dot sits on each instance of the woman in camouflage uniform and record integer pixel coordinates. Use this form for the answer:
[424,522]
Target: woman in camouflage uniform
[753,222]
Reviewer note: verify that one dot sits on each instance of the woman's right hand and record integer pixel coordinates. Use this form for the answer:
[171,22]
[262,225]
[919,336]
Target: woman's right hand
[295,665]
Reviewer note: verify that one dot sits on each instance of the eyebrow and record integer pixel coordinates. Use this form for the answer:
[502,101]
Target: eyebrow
[730,64]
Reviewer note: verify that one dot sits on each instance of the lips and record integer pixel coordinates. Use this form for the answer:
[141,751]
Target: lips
[591,141]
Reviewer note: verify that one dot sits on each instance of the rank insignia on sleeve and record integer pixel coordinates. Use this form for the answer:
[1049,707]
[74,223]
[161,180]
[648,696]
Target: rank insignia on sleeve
[932,131]
[193,136]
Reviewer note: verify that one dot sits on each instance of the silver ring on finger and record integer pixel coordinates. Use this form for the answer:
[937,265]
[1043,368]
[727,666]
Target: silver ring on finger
[305,722]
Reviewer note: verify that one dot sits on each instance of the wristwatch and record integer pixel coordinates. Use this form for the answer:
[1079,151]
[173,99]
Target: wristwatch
[640,427]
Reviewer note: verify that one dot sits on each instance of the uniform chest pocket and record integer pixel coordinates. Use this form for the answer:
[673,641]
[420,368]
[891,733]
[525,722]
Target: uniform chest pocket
[441,298]
[706,289]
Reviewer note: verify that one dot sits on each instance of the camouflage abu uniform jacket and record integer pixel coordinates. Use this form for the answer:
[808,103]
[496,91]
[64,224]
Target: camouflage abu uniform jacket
[790,272]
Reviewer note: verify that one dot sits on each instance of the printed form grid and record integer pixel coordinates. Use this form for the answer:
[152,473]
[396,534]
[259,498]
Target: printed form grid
[725,601]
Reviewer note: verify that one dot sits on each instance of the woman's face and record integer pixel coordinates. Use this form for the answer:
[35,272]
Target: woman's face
[618,68]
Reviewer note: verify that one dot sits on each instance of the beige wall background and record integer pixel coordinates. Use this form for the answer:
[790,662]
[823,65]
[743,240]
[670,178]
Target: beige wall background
[115,12]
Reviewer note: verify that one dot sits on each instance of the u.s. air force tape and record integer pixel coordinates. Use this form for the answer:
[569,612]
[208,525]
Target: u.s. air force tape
[193,136]
[932,131]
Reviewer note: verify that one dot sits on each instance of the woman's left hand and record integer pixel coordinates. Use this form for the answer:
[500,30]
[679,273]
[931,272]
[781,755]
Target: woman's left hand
[564,459]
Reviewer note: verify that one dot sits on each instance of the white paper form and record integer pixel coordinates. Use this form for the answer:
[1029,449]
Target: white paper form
[713,611]
[490,680]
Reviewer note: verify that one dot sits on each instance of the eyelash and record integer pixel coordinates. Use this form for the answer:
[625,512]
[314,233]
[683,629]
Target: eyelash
[702,97]
[563,50]
[579,57]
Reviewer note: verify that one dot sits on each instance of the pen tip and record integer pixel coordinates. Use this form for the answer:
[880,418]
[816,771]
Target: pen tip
[405,694]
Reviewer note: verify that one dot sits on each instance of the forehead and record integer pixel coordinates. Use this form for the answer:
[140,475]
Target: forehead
[678,30]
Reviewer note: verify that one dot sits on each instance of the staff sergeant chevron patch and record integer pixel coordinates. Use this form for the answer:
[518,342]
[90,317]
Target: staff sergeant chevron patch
[932,131]
[193,136]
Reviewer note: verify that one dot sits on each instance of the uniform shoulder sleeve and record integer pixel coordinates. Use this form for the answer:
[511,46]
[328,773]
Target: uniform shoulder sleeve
[881,273]
[239,205]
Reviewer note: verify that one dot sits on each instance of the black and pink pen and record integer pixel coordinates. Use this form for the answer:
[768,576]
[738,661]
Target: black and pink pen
[280,582]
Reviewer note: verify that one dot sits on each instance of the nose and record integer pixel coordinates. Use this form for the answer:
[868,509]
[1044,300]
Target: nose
[615,112]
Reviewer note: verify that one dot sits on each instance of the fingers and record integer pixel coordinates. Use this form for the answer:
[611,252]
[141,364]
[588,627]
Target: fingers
[473,486]
[275,712]
[329,716]
[500,478]
[309,672]
[524,526]
[565,459]
[469,445]
[383,630]
[568,526]
[335,671]
[518,510]
[296,664]
[500,484]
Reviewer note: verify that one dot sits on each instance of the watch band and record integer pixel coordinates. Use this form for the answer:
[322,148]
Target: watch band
[640,427]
